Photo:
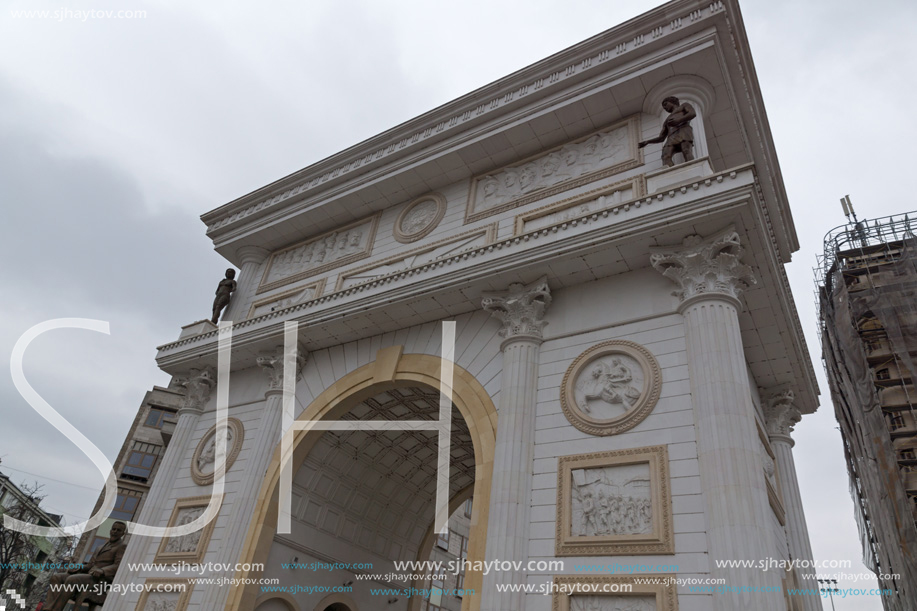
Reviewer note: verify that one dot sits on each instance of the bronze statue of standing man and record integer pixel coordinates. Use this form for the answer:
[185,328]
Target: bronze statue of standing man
[225,289]
[676,131]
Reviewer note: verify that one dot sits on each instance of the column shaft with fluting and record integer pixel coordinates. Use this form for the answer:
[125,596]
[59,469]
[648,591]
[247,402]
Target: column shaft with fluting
[521,309]
[710,276]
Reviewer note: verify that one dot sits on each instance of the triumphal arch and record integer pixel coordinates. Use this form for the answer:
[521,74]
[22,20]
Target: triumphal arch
[626,370]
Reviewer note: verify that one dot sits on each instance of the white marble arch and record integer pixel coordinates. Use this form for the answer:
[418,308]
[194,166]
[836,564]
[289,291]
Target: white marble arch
[279,601]
[394,386]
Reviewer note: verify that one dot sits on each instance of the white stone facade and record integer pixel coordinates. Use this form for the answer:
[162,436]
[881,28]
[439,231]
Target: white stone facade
[526,213]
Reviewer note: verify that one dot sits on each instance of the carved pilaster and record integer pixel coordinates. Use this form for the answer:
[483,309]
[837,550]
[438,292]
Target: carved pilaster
[521,309]
[272,365]
[197,386]
[779,413]
[706,267]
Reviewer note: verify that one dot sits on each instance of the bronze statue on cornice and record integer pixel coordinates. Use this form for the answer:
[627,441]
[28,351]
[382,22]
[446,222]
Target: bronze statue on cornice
[225,289]
[676,131]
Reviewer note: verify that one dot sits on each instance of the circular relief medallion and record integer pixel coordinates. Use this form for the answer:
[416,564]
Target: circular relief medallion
[611,388]
[203,463]
[419,218]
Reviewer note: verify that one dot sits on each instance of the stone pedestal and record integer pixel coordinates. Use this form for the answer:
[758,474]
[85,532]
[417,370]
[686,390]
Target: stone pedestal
[710,277]
[521,309]
[781,416]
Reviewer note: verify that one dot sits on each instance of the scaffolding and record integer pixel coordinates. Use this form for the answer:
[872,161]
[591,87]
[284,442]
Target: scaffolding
[867,298]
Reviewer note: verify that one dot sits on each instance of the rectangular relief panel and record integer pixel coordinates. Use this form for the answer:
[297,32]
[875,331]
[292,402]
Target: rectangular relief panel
[614,503]
[286,299]
[607,593]
[581,206]
[333,249]
[191,547]
[417,258]
[603,153]
[165,594]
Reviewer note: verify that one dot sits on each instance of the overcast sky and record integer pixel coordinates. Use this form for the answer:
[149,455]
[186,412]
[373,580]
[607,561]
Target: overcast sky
[116,134]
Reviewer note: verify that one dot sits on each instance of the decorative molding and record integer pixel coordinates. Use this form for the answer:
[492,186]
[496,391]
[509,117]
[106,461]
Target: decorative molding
[608,593]
[192,547]
[582,205]
[521,309]
[705,266]
[603,500]
[341,246]
[165,594]
[205,452]
[603,153]
[617,379]
[287,299]
[617,45]
[419,218]
[771,476]
[271,364]
[419,258]
[548,233]
[197,386]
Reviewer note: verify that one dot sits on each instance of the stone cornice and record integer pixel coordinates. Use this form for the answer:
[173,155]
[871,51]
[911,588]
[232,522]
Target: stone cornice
[574,64]
[427,280]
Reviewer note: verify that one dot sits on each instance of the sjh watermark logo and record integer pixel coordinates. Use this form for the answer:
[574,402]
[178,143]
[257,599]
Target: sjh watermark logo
[442,425]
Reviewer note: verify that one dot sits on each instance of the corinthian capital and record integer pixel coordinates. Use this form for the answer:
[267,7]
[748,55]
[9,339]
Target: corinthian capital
[197,386]
[521,308]
[705,266]
[272,365]
[779,413]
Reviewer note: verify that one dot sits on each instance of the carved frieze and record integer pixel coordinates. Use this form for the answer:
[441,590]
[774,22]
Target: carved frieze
[333,249]
[580,206]
[614,593]
[417,258]
[599,155]
[286,299]
[615,502]
[611,388]
[419,218]
[204,461]
[192,546]
[165,594]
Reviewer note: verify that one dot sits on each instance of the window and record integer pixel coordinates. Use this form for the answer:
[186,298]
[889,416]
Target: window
[125,507]
[459,583]
[139,464]
[468,508]
[435,594]
[96,544]
[40,557]
[156,416]
[896,422]
[463,554]
[442,540]
[883,374]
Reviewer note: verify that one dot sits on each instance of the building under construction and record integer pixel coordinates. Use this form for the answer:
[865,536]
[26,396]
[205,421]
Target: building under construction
[867,289]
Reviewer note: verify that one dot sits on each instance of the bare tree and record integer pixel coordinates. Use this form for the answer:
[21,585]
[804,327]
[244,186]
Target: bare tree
[17,549]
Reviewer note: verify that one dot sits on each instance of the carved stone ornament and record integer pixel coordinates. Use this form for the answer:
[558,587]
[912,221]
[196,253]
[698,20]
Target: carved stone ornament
[165,594]
[611,388]
[521,309]
[272,365]
[419,218]
[188,548]
[600,155]
[204,461]
[197,386]
[706,266]
[780,414]
[614,593]
[615,502]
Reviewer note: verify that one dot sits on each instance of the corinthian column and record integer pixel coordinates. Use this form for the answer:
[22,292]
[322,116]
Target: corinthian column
[197,384]
[780,417]
[521,310]
[710,277]
[265,441]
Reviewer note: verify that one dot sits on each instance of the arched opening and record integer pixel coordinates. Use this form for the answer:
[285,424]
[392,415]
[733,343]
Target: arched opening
[368,496]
